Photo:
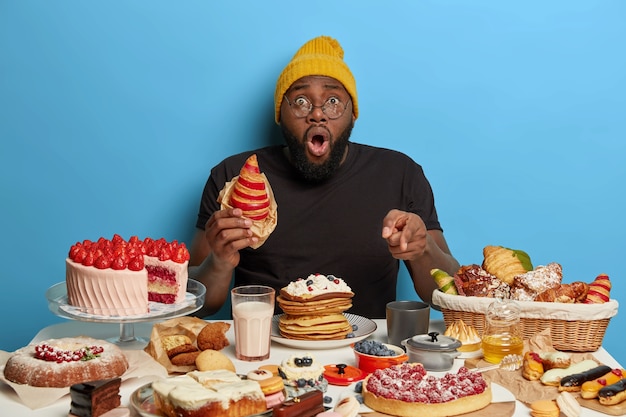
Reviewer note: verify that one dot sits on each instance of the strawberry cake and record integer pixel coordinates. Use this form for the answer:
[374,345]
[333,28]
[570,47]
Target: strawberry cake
[118,278]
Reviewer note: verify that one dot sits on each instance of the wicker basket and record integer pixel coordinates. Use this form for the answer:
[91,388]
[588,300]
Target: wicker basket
[573,327]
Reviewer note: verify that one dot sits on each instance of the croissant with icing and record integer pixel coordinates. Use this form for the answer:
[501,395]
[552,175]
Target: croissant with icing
[251,192]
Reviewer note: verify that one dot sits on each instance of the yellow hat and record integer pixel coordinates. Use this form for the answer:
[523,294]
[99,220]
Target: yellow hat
[319,56]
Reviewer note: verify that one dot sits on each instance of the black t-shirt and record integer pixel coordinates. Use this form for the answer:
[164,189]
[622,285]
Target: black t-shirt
[334,227]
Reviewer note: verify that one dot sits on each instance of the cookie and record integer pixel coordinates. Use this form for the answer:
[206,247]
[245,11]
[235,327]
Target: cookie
[544,408]
[348,407]
[172,341]
[212,360]
[185,359]
[177,350]
[213,336]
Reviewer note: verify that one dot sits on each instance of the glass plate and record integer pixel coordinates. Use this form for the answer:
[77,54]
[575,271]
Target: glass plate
[365,327]
[142,402]
[194,299]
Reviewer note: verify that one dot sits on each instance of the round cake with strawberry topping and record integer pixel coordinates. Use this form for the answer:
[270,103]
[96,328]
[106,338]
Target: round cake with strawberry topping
[407,390]
[118,278]
[64,362]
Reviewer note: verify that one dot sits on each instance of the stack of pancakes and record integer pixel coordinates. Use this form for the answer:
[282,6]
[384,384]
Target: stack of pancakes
[317,315]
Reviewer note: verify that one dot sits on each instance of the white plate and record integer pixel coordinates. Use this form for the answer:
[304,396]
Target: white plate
[475,354]
[364,328]
[501,394]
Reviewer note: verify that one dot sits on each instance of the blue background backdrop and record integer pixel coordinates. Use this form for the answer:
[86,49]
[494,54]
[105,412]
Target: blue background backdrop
[112,114]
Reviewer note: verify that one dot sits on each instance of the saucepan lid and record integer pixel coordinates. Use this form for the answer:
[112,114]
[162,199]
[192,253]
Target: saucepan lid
[433,341]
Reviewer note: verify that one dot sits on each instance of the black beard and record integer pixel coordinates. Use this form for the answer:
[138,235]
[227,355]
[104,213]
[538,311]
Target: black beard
[311,172]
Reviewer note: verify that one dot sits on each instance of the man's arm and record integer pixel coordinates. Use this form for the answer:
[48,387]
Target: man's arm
[203,268]
[436,255]
[420,249]
[215,254]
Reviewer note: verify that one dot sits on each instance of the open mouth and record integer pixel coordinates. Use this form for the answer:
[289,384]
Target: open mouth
[318,141]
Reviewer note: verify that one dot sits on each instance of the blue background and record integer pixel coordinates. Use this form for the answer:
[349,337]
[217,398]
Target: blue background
[112,114]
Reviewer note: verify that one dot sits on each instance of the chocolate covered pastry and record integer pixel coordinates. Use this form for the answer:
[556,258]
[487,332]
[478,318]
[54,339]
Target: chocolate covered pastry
[306,405]
[472,280]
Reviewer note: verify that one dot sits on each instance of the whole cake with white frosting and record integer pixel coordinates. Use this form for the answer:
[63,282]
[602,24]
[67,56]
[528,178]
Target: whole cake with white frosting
[314,308]
[118,278]
[218,393]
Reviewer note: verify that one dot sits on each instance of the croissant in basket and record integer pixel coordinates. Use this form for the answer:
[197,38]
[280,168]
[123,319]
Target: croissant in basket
[599,290]
[505,263]
[575,292]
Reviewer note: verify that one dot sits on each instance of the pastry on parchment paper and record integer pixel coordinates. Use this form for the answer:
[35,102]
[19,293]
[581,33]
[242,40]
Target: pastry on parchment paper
[251,192]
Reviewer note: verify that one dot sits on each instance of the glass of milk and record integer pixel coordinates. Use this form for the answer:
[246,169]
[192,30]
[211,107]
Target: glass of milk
[253,309]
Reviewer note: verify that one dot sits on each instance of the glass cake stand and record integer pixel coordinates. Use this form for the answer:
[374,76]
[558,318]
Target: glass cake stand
[194,299]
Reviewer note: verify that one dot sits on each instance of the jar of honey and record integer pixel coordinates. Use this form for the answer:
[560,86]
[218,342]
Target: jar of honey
[502,334]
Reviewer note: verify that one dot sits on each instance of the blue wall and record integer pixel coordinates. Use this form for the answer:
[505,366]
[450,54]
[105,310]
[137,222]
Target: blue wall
[112,114]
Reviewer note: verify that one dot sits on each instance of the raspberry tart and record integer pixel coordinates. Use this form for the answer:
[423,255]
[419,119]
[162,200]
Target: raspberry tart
[118,278]
[65,362]
[407,391]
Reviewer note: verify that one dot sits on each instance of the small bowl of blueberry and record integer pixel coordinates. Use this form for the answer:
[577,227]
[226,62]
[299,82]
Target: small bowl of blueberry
[371,355]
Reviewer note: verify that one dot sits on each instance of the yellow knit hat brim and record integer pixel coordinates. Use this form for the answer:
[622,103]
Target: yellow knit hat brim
[320,56]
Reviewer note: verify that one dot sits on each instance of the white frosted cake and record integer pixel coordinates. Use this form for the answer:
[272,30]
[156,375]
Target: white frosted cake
[218,393]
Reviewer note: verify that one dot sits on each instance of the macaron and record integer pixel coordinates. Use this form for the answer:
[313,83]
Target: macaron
[328,413]
[568,404]
[544,408]
[272,368]
[272,400]
[271,385]
[348,407]
[259,374]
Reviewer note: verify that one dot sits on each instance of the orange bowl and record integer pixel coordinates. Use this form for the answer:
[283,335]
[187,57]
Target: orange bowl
[370,363]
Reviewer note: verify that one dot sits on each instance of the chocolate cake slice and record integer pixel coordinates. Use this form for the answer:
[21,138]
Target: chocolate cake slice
[94,398]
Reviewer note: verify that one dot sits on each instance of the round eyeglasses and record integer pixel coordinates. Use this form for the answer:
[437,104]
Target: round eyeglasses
[333,107]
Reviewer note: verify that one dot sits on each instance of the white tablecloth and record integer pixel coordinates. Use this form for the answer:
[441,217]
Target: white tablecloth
[11,406]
